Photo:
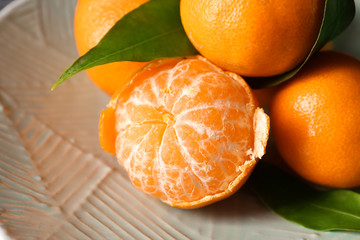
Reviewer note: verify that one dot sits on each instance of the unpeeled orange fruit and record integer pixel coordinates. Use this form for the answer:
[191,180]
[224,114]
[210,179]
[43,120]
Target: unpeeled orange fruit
[253,38]
[185,131]
[92,20]
[315,120]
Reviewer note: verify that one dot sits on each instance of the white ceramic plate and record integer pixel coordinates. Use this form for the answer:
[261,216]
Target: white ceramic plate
[56,183]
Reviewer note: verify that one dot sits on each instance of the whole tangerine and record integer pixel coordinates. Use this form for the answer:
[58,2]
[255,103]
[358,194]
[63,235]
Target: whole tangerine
[315,120]
[253,38]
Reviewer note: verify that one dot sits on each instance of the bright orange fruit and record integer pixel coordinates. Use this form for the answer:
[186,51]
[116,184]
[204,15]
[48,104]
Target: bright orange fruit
[187,132]
[107,135]
[253,38]
[315,120]
[92,20]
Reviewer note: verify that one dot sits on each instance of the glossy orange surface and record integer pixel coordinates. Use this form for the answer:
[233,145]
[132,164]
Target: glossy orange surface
[315,120]
[253,38]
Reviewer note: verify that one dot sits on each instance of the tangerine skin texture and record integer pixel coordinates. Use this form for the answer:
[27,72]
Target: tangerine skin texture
[254,38]
[186,132]
[92,20]
[316,119]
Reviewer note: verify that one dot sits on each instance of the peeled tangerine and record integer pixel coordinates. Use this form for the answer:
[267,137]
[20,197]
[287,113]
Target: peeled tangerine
[185,131]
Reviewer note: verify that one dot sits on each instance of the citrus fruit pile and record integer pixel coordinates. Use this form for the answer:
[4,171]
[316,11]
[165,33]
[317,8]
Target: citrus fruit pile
[190,130]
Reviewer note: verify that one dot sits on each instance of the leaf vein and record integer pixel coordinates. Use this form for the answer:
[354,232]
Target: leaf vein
[334,210]
[135,45]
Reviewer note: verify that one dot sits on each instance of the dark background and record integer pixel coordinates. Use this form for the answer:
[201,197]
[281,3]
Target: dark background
[4,2]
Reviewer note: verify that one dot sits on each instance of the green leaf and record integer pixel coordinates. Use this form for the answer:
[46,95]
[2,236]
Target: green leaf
[298,202]
[151,31]
[338,14]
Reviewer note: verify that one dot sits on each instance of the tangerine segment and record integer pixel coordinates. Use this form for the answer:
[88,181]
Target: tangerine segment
[107,135]
[186,132]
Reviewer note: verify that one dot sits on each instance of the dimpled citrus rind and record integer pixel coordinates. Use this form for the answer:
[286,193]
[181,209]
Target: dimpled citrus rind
[253,38]
[315,121]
